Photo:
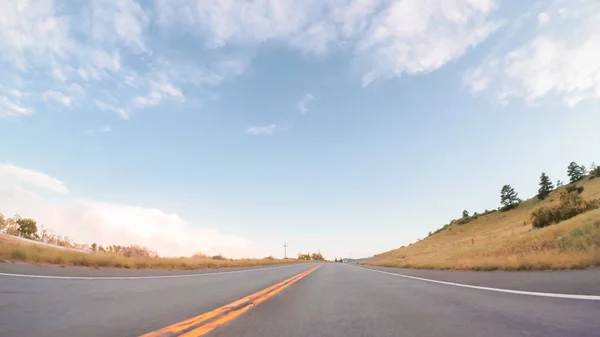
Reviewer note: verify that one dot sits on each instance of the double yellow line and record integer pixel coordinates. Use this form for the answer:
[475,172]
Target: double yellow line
[202,324]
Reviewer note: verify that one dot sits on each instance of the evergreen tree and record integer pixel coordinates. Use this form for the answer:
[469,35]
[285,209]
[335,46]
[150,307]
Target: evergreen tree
[508,198]
[575,172]
[595,170]
[465,214]
[545,186]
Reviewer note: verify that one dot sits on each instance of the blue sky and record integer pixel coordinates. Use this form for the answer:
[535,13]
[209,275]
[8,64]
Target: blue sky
[349,126]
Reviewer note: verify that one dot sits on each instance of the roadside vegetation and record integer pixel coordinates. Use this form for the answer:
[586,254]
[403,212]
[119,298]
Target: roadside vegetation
[311,257]
[559,228]
[65,252]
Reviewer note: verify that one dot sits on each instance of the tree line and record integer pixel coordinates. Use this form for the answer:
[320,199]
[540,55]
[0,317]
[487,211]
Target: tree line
[27,228]
[509,198]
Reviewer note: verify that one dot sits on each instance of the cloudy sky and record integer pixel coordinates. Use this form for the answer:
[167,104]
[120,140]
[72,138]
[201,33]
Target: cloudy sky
[350,126]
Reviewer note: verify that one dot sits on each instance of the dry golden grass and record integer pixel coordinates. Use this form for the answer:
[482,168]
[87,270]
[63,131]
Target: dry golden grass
[13,250]
[506,240]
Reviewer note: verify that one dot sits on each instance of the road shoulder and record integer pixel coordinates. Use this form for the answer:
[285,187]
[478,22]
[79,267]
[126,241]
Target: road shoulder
[577,282]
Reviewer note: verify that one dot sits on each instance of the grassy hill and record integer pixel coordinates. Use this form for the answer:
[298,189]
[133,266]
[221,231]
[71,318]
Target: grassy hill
[507,240]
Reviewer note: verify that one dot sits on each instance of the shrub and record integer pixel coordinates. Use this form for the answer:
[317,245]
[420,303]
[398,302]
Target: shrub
[574,188]
[317,257]
[304,257]
[137,251]
[571,204]
[218,257]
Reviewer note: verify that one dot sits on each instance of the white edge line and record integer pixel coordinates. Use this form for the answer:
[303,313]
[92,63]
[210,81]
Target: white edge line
[500,290]
[140,277]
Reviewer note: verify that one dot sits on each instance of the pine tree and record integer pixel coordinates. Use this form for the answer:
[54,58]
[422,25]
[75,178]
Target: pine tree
[465,214]
[545,186]
[575,172]
[508,198]
[595,170]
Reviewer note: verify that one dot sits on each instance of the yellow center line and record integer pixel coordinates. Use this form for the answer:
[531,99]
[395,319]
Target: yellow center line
[227,312]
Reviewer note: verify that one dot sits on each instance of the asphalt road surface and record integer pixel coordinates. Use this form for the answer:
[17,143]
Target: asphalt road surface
[334,300]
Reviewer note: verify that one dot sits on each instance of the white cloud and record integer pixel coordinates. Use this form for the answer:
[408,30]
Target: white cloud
[354,17]
[102,129]
[58,73]
[389,38]
[108,223]
[16,93]
[10,172]
[261,130]
[562,60]
[107,107]
[85,75]
[543,18]
[246,23]
[31,33]
[75,88]
[10,108]
[101,42]
[415,36]
[94,42]
[120,22]
[53,95]
[104,60]
[159,92]
[477,79]
[302,104]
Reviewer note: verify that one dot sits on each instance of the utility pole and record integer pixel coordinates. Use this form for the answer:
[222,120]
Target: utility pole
[285,250]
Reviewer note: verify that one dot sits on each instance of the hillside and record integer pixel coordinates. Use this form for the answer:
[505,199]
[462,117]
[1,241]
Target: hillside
[507,240]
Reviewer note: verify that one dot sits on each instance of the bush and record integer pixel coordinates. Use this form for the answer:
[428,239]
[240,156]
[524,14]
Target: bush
[574,188]
[317,257]
[218,257]
[137,251]
[571,204]
[305,257]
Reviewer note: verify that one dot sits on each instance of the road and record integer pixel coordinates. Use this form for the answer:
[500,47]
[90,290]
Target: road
[297,300]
